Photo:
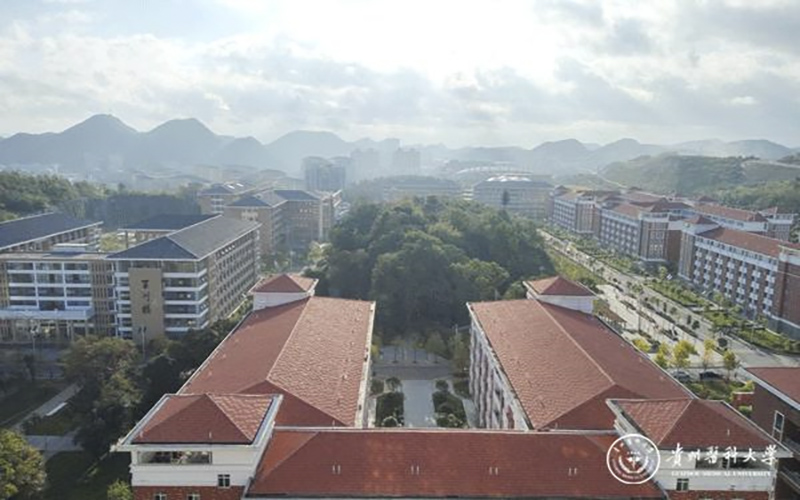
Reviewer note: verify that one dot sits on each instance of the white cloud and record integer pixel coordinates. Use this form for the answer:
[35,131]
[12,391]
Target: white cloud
[444,71]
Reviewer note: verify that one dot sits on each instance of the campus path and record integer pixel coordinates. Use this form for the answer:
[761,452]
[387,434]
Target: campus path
[418,408]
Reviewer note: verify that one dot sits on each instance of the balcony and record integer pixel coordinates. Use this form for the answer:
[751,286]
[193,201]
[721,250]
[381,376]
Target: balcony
[792,478]
[792,445]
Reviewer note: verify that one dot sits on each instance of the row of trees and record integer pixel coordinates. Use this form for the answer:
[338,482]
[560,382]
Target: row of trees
[421,260]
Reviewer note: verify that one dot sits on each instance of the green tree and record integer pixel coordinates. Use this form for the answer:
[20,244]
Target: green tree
[393,384]
[22,473]
[663,355]
[119,490]
[708,353]
[641,344]
[682,353]
[436,345]
[730,362]
[460,349]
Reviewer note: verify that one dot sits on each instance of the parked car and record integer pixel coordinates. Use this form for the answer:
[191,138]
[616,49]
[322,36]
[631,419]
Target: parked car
[709,375]
[682,376]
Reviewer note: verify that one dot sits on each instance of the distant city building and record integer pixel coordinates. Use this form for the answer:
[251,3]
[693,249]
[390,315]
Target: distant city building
[321,174]
[38,233]
[185,280]
[517,194]
[398,188]
[265,208]
[406,161]
[214,199]
[306,218]
[55,295]
[366,164]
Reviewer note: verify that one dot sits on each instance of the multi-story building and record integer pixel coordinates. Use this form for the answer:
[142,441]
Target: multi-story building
[279,409]
[406,161]
[776,409]
[769,222]
[305,218]
[185,280]
[266,208]
[574,211]
[56,295]
[517,194]
[544,363]
[159,225]
[411,186]
[39,233]
[753,271]
[213,200]
[321,174]
[705,449]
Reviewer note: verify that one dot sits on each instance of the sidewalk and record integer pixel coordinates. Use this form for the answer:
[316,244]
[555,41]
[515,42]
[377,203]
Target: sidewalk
[51,404]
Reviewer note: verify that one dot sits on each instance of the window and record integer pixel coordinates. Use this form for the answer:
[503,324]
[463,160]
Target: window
[159,496]
[224,480]
[682,484]
[777,425]
[193,496]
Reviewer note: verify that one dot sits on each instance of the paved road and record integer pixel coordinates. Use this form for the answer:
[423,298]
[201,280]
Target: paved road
[50,404]
[749,355]
[50,445]
[418,405]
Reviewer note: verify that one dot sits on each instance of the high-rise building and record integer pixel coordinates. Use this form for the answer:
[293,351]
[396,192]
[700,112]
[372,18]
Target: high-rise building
[406,161]
[321,174]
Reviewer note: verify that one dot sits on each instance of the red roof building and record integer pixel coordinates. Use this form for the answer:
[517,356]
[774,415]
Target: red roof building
[541,366]
[438,464]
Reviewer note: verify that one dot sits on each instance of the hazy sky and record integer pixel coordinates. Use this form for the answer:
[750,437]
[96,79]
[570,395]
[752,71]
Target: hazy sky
[458,72]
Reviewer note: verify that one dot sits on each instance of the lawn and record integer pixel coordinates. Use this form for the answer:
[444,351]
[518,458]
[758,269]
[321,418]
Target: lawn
[74,475]
[677,292]
[27,398]
[715,389]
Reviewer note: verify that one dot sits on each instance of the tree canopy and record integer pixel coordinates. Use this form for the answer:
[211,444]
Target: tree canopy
[22,473]
[422,259]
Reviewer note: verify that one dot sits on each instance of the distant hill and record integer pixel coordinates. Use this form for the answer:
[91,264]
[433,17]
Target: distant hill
[692,174]
[104,143]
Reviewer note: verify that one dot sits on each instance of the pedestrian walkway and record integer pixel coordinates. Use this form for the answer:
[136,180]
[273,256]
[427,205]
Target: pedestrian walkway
[418,408]
[51,445]
[50,405]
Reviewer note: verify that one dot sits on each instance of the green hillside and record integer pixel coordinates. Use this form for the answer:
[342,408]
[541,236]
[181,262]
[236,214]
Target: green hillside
[691,175]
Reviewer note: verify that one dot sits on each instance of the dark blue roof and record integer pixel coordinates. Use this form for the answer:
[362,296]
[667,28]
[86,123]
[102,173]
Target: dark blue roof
[249,201]
[295,195]
[169,222]
[37,227]
[192,243]
[217,189]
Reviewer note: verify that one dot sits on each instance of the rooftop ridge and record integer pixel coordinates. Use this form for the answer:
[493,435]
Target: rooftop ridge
[577,344]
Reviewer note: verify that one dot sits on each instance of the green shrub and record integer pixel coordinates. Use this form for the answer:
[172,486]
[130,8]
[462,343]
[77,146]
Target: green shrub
[389,405]
[376,386]
[442,385]
[461,387]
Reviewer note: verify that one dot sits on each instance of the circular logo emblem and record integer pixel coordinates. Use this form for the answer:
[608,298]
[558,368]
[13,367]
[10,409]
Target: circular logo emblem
[633,459]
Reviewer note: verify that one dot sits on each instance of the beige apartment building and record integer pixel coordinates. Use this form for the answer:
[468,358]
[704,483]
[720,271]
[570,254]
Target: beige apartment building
[185,280]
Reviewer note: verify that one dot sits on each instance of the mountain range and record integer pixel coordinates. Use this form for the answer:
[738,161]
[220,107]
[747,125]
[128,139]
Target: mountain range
[105,139]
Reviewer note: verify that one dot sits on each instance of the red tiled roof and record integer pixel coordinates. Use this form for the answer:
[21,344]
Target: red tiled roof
[693,423]
[628,209]
[728,212]
[451,463]
[206,418]
[313,351]
[557,285]
[748,241]
[699,219]
[784,379]
[284,283]
[563,364]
